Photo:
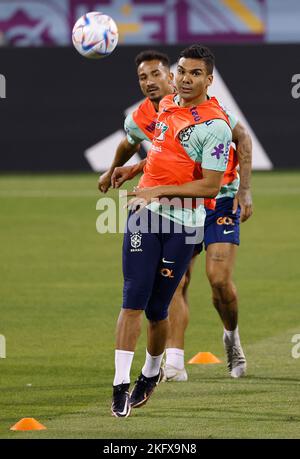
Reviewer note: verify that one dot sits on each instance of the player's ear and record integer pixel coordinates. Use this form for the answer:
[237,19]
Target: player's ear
[171,77]
[210,79]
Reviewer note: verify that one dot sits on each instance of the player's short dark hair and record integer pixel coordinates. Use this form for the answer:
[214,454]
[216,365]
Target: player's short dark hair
[200,52]
[151,55]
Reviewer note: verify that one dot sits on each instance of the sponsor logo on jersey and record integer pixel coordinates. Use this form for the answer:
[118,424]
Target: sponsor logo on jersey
[151,127]
[162,129]
[226,154]
[155,148]
[195,114]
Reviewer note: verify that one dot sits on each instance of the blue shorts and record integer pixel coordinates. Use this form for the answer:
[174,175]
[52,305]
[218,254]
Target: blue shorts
[154,261]
[221,225]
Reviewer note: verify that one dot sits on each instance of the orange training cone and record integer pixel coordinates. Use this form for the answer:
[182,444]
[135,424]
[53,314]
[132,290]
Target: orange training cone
[28,424]
[204,357]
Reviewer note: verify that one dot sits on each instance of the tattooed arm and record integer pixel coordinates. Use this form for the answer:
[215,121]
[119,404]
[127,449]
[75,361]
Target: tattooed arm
[243,197]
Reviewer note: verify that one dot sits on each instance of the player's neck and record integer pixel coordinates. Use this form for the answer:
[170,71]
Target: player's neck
[156,102]
[192,102]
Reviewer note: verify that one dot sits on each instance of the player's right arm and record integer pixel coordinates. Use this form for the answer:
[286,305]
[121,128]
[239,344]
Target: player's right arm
[124,173]
[125,150]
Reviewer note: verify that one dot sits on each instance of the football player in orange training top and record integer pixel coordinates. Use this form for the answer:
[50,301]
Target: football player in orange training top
[155,258]
[220,240]
[155,81]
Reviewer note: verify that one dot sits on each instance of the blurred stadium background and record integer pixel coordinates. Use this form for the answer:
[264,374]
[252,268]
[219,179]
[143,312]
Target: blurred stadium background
[60,118]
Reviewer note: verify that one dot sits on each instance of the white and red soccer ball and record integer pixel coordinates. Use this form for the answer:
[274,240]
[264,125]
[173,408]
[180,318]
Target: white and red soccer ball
[95,35]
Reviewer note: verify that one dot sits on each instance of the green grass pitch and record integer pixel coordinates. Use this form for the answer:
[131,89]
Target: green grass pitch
[60,294]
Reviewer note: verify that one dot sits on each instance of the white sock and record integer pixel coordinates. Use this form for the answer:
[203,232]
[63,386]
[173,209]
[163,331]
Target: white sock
[233,336]
[123,361]
[152,365]
[175,357]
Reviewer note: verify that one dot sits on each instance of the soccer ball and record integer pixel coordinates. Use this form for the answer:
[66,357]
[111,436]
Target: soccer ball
[95,35]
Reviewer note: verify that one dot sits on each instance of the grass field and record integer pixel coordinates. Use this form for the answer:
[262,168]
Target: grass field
[60,294]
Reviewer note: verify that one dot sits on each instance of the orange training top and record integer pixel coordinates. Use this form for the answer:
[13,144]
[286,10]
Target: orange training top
[167,161]
[145,117]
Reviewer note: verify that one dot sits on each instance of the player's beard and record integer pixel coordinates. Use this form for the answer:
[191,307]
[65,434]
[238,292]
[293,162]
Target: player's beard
[156,99]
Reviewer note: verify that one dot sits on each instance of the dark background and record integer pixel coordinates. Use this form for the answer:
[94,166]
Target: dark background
[59,103]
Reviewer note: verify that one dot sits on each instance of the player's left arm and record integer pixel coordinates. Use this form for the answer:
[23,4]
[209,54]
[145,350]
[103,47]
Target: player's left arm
[242,139]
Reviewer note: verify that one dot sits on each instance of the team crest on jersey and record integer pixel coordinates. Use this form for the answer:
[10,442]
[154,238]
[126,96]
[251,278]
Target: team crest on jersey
[185,134]
[136,242]
[161,129]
